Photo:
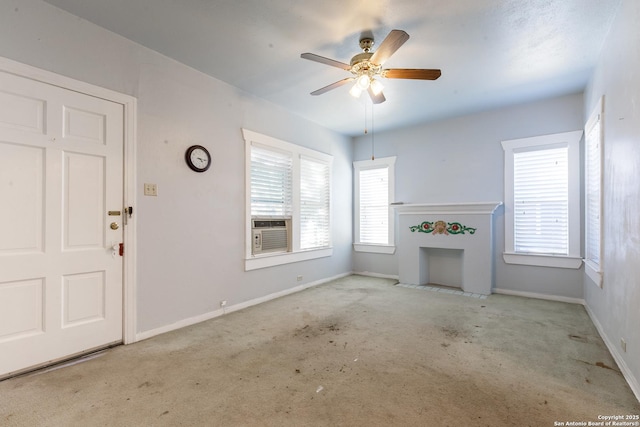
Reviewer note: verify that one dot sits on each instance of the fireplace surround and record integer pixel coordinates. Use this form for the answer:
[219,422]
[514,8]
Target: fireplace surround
[462,226]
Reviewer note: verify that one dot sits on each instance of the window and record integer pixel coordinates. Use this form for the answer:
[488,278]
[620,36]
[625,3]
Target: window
[593,194]
[314,203]
[542,200]
[288,189]
[374,185]
[271,192]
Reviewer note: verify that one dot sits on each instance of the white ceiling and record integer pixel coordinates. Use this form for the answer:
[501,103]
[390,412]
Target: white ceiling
[492,53]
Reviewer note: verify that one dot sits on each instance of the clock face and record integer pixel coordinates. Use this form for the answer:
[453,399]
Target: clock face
[198,158]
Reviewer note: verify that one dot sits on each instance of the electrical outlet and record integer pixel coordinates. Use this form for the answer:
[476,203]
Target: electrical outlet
[223,303]
[299,278]
[623,344]
[150,189]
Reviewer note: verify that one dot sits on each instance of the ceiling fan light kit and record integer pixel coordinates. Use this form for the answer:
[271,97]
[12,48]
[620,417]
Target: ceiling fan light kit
[376,87]
[363,82]
[367,65]
[355,91]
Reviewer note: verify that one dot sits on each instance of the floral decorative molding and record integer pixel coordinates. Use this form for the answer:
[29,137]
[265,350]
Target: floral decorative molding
[442,227]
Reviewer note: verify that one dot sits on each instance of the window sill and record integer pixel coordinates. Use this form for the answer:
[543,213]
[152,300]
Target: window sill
[270,260]
[557,261]
[594,273]
[375,249]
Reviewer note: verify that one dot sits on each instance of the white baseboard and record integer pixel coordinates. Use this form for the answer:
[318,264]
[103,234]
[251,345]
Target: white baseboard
[382,276]
[613,349]
[179,324]
[539,296]
[293,290]
[213,314]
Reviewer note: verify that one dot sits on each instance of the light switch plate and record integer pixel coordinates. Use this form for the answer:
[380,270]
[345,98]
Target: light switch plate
[150,189]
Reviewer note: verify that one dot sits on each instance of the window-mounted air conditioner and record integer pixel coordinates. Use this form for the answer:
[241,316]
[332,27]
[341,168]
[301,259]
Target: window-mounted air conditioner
[270,235]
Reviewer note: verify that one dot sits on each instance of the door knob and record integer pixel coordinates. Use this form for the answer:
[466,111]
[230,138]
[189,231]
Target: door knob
[114,226]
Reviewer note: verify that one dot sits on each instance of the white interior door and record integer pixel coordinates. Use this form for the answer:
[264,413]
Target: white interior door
[61,172]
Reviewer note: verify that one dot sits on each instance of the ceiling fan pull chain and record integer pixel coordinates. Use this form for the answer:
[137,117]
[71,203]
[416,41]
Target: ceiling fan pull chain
[365,118]
[372,132]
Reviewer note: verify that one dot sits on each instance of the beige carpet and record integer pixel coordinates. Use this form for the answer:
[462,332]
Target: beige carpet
[354,352]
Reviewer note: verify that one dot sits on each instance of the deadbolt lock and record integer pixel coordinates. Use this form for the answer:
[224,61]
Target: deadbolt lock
[114,226]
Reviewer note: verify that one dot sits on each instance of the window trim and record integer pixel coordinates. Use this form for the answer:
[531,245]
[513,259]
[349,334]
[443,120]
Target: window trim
[573,260]
[358,246]
[594,271]
[254,262]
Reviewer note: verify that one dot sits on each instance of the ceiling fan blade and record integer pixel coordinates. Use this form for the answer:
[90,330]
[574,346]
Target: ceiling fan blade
[389,45]
[376,99]
[411,73]
[326,61]
[332,86]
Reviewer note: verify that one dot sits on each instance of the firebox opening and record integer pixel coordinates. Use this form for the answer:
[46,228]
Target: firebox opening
[444,266]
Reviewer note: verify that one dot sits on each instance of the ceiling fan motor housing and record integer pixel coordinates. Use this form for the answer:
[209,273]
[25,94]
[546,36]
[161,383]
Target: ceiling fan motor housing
[360,64]
[366,44]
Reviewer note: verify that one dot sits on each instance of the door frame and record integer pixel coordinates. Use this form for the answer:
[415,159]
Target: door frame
[129,104]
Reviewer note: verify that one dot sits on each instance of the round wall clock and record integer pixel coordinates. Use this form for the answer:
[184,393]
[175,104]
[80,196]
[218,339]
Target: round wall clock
[198,158]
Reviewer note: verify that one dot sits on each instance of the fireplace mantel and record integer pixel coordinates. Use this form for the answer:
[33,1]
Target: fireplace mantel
[461,226]
[480,208]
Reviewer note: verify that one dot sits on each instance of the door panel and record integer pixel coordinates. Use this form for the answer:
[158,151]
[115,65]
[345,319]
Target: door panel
[21,309]
[26,114]
[84,202]
[61,160]
[83,298]
[22,172]
[84,126]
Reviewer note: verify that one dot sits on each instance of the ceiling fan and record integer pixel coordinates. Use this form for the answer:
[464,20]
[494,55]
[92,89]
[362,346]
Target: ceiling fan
[366,66]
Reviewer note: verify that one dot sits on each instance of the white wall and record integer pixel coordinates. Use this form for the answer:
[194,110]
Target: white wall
[616,307]
[461,160]
[191,237]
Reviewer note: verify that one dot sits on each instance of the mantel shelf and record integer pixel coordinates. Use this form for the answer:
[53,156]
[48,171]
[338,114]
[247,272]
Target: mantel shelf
[474,208]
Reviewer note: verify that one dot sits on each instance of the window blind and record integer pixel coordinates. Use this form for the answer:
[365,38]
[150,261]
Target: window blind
[374,205]
[271,188]
[593,192]
[314,203]
[541,201]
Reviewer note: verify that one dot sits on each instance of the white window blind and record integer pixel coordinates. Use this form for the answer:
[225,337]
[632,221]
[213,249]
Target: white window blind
[271,188]
[374,205]
[541,201]
[593,180]
[314,203]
